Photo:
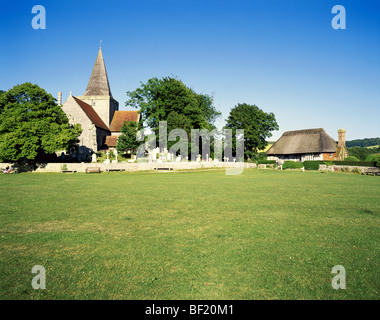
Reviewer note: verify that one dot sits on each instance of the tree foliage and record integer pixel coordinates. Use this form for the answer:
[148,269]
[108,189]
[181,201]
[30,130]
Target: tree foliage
[257,126]
[32,125]
[127,140]
[169,99]
[362,153]
[367,142]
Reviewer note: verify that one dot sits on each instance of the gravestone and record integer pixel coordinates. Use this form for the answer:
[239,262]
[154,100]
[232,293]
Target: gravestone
[107,160]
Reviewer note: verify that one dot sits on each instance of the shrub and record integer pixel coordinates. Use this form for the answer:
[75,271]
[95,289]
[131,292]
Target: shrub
[292,165]
[258,156]
[373,158]
[351,158]
[311,165]
[266,162]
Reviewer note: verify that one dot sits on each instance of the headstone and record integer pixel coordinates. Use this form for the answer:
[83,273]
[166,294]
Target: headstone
[115,157]
[198,158]
[93,157]
[178,159]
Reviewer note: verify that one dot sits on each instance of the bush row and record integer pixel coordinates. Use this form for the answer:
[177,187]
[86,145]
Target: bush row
[292,165]
[266,162]
[311,165]
[355,163]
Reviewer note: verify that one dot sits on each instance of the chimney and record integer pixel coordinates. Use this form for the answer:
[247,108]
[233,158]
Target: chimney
[341,138]
[59,98]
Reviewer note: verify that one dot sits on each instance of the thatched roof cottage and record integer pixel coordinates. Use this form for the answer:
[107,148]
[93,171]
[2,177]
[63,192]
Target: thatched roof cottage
[310,144]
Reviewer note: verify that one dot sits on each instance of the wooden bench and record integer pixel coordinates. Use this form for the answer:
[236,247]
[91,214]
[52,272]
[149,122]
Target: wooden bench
[373,171]
[163,168]
[109,170]
[92,170]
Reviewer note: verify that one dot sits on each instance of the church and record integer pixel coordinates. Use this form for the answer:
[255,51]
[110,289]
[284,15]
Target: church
[97,112]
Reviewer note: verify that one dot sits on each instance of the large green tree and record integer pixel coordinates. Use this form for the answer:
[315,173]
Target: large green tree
[32,125]
[127,140]
[257,126]
[169,99]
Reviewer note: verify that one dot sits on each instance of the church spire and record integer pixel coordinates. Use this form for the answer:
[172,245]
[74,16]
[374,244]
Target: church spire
[98,84]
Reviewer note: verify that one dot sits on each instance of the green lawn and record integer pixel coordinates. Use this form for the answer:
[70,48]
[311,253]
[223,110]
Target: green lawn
[190,235]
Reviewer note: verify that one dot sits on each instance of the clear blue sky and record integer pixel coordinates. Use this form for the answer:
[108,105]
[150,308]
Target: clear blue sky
[283,56]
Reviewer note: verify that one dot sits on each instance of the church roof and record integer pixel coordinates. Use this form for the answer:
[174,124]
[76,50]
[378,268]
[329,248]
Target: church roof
[91,114]
[303,141]
[98,84]
[111,141]
[120,116]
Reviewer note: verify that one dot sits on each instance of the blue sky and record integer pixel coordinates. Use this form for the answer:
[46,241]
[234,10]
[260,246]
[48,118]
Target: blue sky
[283,56]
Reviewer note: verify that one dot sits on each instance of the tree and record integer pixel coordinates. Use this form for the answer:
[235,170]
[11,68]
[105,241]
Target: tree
[362,153]
[127,140]
[169,99]
[257,126]
[32,125]
[351,158]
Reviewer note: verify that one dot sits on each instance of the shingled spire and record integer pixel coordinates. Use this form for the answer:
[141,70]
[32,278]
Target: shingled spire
[98,84]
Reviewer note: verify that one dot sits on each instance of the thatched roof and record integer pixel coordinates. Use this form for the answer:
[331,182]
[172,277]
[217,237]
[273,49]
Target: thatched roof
[303,141]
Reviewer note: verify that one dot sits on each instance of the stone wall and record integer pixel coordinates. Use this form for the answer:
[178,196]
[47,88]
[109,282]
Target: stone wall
[81,167]
[336,168]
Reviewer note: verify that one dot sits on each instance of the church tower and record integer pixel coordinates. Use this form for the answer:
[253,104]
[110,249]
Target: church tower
[98,93]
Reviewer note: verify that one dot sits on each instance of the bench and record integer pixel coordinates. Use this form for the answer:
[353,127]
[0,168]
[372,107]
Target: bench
[163,168]
[109,170]
[68,171]
[92,170]
[373,171]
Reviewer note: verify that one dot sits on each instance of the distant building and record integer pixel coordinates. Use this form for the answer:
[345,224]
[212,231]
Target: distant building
[310,144]
[97,112]
[117,122]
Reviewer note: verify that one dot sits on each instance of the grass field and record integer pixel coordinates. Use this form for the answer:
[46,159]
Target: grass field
[190,235]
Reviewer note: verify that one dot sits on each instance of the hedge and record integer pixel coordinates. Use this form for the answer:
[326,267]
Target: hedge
[351,158]
[292,165]
[266,162]
[311,165]
[355,163]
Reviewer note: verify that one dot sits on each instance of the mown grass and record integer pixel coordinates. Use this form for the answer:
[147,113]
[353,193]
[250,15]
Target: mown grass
[189,235]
